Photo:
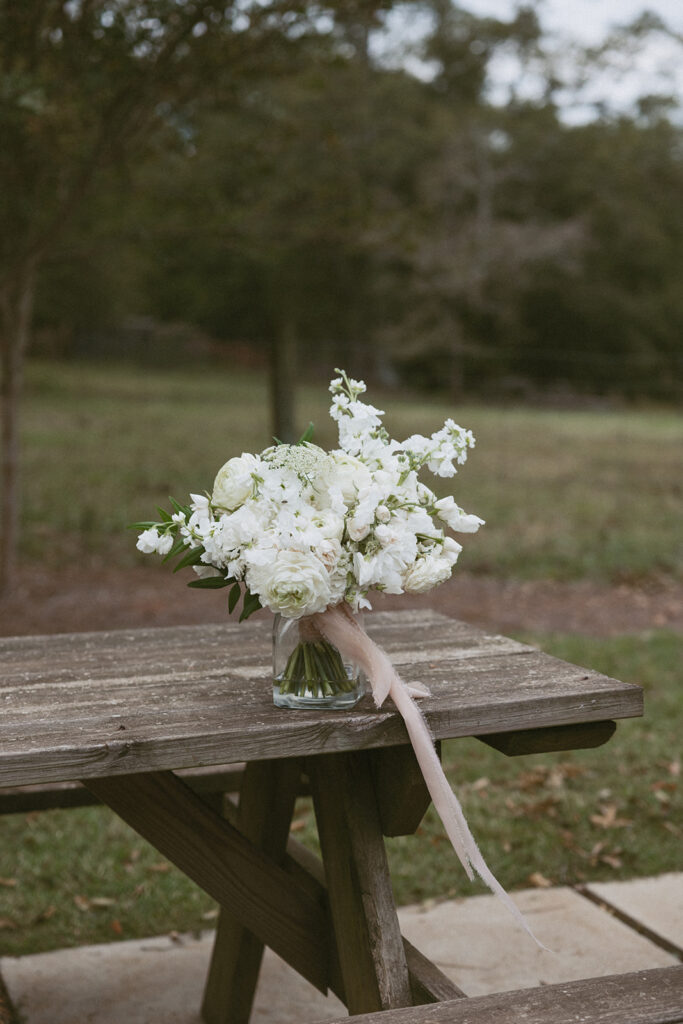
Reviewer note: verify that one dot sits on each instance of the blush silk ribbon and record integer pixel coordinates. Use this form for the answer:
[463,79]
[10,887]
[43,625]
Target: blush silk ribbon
[338,625]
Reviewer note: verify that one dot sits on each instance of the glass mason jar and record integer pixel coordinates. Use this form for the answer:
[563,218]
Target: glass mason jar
[309,671]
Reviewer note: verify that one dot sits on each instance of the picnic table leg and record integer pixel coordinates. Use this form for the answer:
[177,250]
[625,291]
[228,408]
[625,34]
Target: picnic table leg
[267,797]
[370,948]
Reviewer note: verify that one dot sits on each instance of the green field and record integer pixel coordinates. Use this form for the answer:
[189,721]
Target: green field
[565,495]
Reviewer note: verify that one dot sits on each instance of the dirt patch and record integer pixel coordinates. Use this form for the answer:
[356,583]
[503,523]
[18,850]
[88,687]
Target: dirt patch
[92,598]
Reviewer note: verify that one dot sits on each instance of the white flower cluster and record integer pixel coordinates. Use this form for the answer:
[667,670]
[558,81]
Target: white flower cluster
[305,529]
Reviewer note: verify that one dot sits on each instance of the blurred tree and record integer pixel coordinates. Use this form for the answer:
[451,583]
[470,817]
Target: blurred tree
[84,85]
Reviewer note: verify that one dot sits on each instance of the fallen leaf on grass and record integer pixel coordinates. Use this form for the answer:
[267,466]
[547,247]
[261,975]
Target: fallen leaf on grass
[7,923]
[540,881]
[102,901]
[116,927]
[298,824]
[608,818]
[82,902]
[160,868]
[210,915]
[8,883]
[44,915]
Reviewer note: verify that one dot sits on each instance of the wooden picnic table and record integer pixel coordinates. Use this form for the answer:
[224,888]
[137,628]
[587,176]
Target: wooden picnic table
[123,711]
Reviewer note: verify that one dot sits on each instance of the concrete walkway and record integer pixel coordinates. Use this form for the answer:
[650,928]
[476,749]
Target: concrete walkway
[609,928]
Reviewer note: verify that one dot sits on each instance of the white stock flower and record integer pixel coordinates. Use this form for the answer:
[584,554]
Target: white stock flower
[234,481]
[454,517]
[296,583]
[147,541]
[205,571]
[164,544]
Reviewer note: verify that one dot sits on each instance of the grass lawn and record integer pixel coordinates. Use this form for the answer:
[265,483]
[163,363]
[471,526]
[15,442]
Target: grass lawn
[566,495]
[82,876]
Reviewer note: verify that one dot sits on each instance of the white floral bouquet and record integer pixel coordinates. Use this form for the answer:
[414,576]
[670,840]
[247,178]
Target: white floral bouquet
[309,534]
[297,529]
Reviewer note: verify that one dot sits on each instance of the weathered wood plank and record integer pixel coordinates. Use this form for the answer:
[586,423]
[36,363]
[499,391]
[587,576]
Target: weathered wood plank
[162,809]
[63,795]
[558,737]
[428,984]
[100,704]
[267,799]
[402,794]
[645,997]
[368,937]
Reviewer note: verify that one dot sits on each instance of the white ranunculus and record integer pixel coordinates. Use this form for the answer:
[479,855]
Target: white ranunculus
[295,583]
[234,482]
[427,572]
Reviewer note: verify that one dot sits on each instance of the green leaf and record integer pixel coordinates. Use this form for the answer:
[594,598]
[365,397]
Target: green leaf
[142,526]
[179,546]
[177,507]
[233,598]
[193,557]
[307,435]
[210,583]
[166,517]
[250,605]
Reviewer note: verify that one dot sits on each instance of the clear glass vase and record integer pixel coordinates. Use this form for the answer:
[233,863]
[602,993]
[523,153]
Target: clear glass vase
[309,671]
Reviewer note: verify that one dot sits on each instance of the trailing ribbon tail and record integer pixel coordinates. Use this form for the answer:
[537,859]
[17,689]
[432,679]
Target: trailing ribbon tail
[342,630]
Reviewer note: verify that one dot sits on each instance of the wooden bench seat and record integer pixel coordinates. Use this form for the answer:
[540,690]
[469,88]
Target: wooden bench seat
[48,796]
[644,997]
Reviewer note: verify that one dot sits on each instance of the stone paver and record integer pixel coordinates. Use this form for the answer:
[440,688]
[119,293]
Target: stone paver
[656,903]
[474,941]
[477,943]
[152,981]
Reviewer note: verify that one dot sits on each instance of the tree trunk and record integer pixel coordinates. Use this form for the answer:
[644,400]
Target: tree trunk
[16,309]
[283,375]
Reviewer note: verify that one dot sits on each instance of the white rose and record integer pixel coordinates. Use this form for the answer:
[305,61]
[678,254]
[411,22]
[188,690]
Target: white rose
[427,572]
[234,482]
[295,583]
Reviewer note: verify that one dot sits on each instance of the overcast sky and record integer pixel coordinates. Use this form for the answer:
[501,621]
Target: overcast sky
[656,68]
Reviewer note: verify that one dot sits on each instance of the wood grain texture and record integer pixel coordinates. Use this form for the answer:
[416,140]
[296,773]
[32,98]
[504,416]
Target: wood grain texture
[557,737]
[101,704]
[361,903]
[645,997]
[402,794]
[267,798]
[235,872]
[46,796]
